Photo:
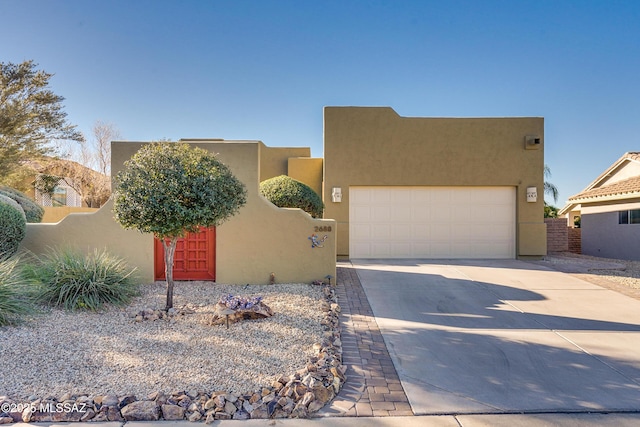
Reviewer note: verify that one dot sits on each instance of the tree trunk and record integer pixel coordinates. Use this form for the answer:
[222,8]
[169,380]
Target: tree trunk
[169,251]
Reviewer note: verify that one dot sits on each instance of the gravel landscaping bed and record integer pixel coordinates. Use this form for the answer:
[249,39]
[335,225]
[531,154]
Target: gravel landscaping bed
[110,353]
[599,270]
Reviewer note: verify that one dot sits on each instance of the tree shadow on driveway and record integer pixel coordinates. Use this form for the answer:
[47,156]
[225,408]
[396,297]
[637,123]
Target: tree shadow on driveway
[466,346]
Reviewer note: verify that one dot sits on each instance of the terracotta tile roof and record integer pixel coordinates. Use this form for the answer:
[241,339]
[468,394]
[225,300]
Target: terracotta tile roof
[624,187]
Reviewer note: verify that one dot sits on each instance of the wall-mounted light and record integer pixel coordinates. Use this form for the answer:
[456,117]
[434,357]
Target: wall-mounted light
[532,194]
[532,142]
[336,194]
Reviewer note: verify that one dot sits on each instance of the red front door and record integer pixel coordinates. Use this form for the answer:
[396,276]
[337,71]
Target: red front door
[195,257]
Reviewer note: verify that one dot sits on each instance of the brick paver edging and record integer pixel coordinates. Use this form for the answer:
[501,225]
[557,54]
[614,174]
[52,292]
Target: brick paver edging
[373,388]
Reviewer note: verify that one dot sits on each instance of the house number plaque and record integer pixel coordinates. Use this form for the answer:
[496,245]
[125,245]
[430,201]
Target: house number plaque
[322,229]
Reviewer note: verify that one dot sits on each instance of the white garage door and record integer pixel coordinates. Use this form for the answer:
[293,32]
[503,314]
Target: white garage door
[432,222]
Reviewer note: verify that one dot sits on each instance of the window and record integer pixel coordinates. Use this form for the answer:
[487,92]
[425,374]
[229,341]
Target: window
[623,217]
[629,217]
[59,196]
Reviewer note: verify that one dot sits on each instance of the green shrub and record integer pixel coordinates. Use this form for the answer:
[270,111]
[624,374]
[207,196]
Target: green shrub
[17,294]
[286,192]
[12,230]
[9,201]
[32,211]
[75,281]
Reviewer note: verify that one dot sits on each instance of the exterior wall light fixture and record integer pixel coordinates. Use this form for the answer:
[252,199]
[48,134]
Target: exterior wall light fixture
[336,194]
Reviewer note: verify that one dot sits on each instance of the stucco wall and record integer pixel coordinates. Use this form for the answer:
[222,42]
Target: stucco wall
[56,214]
[308,171]
[274,161]
[602,236]
[259,240]
[375,146]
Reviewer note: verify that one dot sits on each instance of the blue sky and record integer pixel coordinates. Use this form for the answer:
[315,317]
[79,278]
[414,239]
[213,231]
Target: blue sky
[265,69]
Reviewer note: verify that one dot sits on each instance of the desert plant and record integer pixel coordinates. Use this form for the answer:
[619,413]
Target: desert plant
[16,293]
[9,201]
[169,189]
[286,192]
[73,280]
[12,230]
[32,211]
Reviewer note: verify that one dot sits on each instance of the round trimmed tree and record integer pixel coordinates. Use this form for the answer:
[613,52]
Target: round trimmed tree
[12,229]
[170,189]
[286,192]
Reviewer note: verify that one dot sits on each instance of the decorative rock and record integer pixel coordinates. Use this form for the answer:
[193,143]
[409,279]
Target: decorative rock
[124,401]
[222,416]
[89,415]
[323,394]
[315,406]
[100,417]
[247,407]
[143,410]
[307,398]
[241,415]
[110,400]
[26,414]
[172,412]
[256,311]
[196,416]
[230,408]
[260,413]
[211,403]
[297,395]
[113,413]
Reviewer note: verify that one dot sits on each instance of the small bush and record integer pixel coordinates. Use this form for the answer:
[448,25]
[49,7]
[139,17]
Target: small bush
[286,192]
[74,281]
[9,201]
[32,211]
[12,230]
[17,294]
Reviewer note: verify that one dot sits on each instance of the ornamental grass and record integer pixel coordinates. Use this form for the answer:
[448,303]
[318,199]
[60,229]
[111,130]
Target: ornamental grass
[73,281]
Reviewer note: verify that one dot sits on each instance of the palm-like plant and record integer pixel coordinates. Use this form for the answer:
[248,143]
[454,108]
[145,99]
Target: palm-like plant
[549,188]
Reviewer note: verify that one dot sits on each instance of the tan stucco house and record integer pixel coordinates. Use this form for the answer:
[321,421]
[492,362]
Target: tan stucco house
[609,211]
[416,187]
[393,187]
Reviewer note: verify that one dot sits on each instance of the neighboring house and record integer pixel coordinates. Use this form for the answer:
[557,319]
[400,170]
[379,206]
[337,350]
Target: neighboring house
[392,186]
[53,191]
[65,183]
[609,211]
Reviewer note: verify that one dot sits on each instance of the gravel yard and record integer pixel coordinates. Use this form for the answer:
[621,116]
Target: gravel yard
[619,275]
[110,353]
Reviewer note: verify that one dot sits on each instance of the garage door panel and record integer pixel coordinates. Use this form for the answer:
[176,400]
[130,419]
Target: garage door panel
[435,222]
[441,213]
[420,231]
[363,196]
[381,196]
[401,196]
[402,232]
[420,213]
[360,231]
[361,214]
[420,195]
[381,232]
[380,213]
[402,214]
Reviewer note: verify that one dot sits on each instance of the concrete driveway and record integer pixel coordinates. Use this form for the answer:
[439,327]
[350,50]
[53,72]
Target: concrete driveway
[504,336]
